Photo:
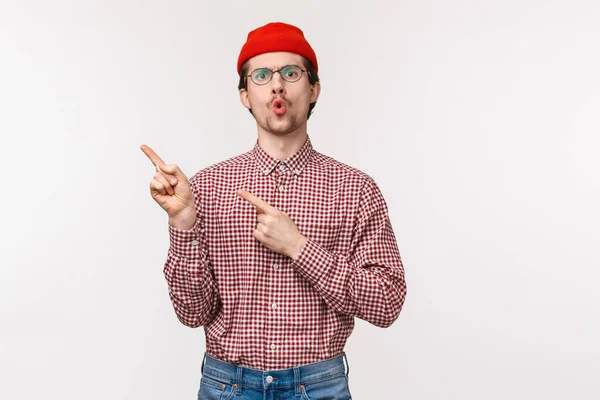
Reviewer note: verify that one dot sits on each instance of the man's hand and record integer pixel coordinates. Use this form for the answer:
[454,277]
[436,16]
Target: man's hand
[274,229]
[171,189]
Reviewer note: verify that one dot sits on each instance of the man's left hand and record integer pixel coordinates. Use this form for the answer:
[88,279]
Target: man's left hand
[275,229]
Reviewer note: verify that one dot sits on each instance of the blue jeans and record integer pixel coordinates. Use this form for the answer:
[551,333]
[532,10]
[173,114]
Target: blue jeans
[322,380]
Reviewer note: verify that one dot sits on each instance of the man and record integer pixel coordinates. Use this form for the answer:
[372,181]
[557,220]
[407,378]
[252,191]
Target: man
[275,251]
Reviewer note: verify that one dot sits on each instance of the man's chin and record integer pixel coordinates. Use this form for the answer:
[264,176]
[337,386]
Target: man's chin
[280,132]
[280,128]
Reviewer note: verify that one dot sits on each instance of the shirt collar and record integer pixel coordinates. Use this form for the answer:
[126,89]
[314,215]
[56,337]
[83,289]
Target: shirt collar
[296,162]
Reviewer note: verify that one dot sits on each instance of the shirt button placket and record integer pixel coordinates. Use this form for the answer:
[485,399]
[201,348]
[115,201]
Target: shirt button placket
[271,336]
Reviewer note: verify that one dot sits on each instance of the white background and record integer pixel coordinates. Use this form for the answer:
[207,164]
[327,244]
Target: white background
[478,119]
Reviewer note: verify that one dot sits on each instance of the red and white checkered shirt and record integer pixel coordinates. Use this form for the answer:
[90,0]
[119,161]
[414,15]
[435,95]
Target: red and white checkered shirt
[261,309]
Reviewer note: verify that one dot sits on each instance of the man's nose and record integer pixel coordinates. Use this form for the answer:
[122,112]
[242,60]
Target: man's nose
[277,85]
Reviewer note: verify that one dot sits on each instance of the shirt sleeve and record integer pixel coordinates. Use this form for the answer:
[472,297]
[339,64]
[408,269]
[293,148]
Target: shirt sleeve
[367,282]
[192,286]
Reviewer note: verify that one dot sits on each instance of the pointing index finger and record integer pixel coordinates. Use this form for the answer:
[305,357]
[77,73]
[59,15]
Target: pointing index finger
[156,160]
[261,205]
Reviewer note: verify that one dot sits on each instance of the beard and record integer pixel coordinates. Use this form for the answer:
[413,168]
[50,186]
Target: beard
[281,126]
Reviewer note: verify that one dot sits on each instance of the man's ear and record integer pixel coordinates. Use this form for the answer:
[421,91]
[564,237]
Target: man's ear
[315,91]
[244,98]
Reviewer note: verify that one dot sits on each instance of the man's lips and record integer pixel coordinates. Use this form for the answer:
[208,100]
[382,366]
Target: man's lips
[279,107]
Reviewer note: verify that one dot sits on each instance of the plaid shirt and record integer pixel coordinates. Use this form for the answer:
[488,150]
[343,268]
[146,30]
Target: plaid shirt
[261,309]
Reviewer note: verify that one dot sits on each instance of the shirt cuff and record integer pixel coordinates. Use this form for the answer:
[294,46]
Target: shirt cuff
[185,243]
[313,261]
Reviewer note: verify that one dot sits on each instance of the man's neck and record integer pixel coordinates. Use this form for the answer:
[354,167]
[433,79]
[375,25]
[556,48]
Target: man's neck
[282,146]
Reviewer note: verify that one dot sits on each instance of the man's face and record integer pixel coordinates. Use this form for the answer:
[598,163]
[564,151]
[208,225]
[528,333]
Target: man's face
[279,107]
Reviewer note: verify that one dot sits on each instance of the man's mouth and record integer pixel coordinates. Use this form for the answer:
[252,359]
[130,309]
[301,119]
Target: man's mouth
[279,107]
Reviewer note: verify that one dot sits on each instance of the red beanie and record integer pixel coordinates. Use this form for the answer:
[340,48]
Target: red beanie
[276,36]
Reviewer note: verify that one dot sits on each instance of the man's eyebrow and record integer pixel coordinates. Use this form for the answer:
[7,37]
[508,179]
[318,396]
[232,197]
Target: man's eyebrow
[273,69]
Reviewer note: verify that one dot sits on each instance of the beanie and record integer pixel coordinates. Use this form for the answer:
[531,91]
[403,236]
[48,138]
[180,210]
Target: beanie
[276,36]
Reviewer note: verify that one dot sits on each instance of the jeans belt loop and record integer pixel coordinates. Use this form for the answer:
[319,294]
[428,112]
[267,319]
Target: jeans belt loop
[297,377]
[238,380]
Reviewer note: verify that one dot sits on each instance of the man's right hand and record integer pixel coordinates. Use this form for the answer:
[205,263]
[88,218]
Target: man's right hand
[171,189]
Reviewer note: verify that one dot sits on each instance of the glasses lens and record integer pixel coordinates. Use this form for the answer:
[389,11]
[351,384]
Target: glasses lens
[291,73]
[261,76]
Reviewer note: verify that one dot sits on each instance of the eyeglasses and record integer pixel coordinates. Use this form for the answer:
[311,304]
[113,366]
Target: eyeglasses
[289,73]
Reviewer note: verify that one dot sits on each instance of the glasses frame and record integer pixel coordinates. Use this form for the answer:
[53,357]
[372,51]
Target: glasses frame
[302,71]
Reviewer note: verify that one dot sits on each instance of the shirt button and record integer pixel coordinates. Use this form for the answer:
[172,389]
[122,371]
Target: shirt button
[297,171]
[266,171]
[194,242]
[273,346]
[281,167]
[274,306]
[269,379]
[281,188]
[275,266]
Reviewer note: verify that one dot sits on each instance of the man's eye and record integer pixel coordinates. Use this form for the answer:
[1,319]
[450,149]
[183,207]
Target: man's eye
[261,75]
[290,72]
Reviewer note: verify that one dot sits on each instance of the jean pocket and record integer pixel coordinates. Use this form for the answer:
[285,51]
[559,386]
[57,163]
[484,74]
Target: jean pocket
[330,389]
[211,389]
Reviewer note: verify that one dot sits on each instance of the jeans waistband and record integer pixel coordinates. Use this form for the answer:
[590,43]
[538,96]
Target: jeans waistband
[295,377]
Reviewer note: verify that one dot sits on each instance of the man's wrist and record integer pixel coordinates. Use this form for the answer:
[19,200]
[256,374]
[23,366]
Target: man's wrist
[298,249]
[183,221]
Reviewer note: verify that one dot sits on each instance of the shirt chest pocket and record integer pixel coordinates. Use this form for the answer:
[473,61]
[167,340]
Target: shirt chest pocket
[328,235]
